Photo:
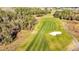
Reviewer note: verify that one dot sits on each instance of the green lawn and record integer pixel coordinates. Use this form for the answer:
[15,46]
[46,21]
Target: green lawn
[42,41]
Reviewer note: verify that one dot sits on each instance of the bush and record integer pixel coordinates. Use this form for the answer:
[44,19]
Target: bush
[64,14]
[13,22]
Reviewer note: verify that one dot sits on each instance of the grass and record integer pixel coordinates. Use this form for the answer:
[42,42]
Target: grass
[42,41]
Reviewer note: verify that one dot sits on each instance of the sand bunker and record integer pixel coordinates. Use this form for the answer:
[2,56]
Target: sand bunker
[55,33]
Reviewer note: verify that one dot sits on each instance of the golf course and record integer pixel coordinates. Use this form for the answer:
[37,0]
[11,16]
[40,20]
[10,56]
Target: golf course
[39,29]
[41,40]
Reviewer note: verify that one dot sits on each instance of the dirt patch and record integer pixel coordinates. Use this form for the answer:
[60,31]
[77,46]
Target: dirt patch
[21,37]
[70,26]
[73,26]
[71,46]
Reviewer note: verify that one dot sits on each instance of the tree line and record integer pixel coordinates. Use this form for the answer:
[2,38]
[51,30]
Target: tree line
[13,22]
[67,14]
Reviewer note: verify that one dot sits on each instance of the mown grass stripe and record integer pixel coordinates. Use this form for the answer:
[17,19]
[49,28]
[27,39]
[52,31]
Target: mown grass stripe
[38,38]
[32,42]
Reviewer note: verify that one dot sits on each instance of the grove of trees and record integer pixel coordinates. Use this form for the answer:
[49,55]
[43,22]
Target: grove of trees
[67,14]
[13,22]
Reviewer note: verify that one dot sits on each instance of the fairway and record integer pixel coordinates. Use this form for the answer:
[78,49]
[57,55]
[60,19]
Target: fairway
[42,41]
